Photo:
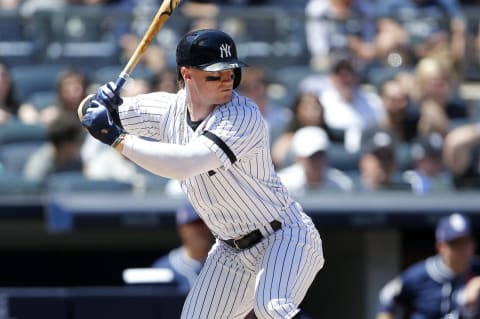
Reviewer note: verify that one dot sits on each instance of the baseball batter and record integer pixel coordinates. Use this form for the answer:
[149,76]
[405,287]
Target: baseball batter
[215,142]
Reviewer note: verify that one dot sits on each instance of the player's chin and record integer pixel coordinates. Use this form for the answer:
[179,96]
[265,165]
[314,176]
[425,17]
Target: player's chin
[225,96]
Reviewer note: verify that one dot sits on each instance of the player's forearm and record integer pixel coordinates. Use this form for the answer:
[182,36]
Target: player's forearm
[169,160]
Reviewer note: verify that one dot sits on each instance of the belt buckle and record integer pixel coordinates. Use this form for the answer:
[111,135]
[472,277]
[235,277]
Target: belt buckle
[235,241]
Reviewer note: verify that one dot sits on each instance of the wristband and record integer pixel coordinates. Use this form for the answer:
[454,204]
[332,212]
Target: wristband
[119,139]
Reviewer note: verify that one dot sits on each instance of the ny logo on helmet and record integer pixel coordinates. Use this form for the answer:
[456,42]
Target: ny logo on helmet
[225,51]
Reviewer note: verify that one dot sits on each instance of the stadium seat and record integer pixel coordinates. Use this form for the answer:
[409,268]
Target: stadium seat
[30,79]
[42,99]
[13,156]
[111,72]
[15,53]
[16,47]
[339,158]
[67,182]
[86,56]
[15,184]
[16,131]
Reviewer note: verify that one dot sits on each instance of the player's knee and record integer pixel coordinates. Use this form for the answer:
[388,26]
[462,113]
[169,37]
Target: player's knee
[274,308]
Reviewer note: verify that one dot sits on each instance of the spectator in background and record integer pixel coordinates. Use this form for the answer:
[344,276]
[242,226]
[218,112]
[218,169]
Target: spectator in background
[428,174]
[401,112]
[8,104]
[135,18]
[438,97]
[446,285]
[462,156]
[414,29]
[349,109]
[311,172]
[187,260]
[306,111]
[340,27]
[254,85]
[70,89]
[61,153]
[378,169]
[165,81]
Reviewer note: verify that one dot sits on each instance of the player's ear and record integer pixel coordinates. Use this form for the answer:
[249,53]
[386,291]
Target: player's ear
[185,72]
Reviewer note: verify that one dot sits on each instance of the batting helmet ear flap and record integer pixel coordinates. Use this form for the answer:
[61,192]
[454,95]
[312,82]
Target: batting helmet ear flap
[238,77]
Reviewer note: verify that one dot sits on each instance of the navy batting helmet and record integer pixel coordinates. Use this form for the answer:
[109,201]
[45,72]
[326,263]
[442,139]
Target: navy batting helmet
[209,50]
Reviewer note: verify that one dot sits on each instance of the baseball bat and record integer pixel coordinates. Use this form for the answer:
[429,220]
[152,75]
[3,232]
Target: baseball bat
[162,15]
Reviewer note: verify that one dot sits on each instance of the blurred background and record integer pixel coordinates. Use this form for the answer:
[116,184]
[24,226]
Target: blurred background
[391,89]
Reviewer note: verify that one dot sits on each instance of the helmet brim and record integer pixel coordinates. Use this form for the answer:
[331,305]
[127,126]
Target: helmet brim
[224,65]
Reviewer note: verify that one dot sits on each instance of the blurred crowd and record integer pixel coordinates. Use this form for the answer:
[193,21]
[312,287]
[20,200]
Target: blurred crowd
[374,100]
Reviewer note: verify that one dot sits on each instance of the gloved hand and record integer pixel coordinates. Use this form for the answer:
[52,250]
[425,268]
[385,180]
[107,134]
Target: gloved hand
[99,123]
[107,96]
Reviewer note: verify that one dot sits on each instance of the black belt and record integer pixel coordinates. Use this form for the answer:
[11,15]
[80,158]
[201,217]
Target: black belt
[251,239]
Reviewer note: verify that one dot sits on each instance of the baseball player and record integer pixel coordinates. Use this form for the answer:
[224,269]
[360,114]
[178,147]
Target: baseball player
[444,286]
[215,142]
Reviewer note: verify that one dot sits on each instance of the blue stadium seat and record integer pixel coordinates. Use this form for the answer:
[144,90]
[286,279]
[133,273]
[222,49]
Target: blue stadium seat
[30,79]
[16,131]
[86,56]
[16,46]
[340,158]
[111,72]
[68,182]
[42,99]
[15,184]
[13,156]
[15,53]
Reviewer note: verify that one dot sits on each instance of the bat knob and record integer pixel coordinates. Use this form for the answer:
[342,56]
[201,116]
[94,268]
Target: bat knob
[82,108]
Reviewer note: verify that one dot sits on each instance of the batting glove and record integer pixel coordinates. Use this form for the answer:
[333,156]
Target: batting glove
[99,123]
[108,96]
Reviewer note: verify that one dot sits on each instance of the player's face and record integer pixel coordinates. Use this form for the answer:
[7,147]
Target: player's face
[197,237]
[458,253]
[213,87]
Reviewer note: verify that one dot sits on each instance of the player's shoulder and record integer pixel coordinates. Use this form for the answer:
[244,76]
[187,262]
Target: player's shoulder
[167,260]
[240,105]
[243,102]
[417,270]
[475,265]
[164,96]
[152,99]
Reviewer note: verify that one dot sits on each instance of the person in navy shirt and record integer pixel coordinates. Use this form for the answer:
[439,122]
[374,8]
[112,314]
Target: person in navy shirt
[444,286]
[187,260]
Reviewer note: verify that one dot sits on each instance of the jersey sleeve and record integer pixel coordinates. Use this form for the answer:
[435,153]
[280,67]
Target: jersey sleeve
[147,115]
[396,295]
[236,130]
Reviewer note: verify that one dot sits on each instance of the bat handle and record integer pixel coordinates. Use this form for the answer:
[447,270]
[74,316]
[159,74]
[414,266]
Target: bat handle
[122,78]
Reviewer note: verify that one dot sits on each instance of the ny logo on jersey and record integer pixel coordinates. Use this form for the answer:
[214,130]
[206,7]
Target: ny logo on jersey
[225,51]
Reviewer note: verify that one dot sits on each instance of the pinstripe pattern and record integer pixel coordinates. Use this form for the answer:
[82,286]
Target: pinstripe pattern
[243,195]
[272,277]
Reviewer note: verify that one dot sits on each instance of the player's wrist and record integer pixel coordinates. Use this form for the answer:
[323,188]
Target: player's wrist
[117,143]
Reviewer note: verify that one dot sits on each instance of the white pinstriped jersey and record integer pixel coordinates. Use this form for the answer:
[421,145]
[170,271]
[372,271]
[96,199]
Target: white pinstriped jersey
[242,195]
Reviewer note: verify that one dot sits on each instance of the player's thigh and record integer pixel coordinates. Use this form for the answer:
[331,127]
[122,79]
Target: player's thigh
[293,257]
[223,289]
